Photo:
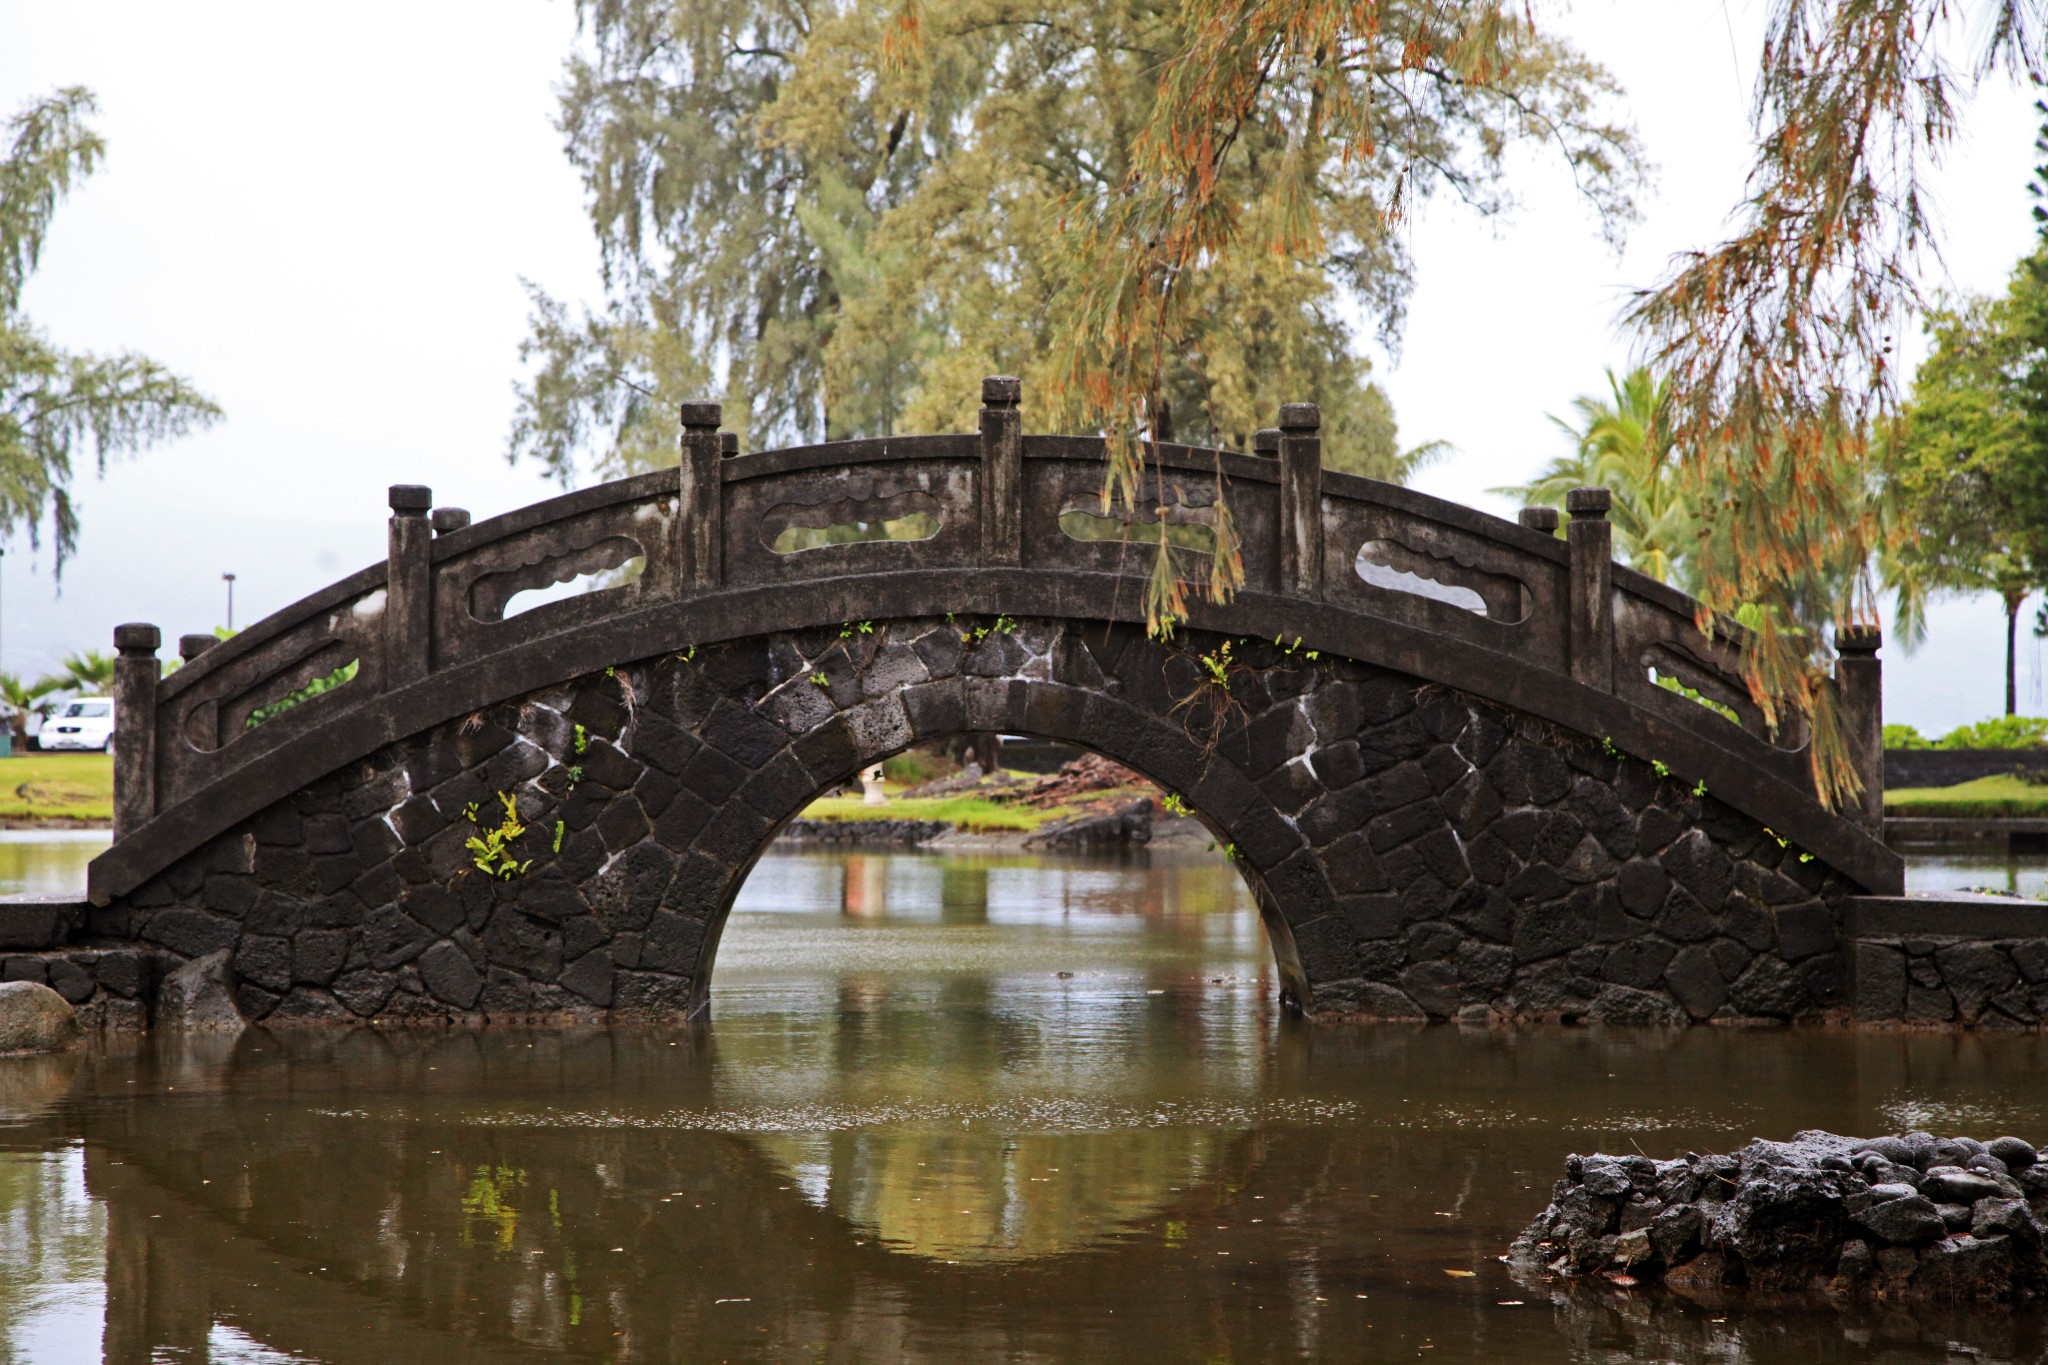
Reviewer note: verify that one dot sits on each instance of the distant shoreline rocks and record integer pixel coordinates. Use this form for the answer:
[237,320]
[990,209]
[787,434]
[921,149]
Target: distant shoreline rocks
[1906,1218]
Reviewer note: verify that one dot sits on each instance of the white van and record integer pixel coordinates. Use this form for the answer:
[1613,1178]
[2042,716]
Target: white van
[81,723]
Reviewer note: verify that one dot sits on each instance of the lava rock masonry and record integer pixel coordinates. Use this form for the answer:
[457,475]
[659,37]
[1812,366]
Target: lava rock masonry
[1896,1219]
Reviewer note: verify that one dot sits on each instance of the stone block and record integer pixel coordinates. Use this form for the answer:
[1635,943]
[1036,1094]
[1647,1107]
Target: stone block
[1702,869]
[191,933]
[1695,981]
[449,974]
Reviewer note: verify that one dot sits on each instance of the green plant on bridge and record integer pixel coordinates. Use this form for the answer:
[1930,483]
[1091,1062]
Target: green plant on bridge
[325,683]
[491,849]
[976,636]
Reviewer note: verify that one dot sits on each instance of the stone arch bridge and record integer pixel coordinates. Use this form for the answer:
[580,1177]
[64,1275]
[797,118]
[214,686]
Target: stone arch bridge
[1454,784]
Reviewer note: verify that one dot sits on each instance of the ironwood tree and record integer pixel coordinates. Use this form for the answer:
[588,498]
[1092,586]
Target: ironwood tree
[54,403]
[843,216]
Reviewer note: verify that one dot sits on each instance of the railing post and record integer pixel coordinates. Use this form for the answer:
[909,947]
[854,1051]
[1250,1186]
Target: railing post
[1591,542]
[135,675]
[409,587]
[1542,519]
[1301,499]
[1859,689]
[1002,470]
[700,507]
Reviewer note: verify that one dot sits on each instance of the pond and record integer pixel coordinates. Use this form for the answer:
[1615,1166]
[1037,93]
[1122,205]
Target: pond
[949,1108]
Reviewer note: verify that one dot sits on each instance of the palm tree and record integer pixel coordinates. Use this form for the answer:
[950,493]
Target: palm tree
[1619,446]
[23,699]
[1677,529]
[90,670]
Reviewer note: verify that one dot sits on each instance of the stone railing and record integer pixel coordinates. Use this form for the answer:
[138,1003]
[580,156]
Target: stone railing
[1351,565]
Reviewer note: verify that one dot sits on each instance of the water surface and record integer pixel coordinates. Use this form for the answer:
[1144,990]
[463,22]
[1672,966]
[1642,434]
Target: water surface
[949,1109]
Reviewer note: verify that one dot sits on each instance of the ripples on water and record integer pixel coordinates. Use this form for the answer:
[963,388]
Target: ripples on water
[948,1109]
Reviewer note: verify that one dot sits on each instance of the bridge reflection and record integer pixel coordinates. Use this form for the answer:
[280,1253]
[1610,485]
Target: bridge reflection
[506,1197]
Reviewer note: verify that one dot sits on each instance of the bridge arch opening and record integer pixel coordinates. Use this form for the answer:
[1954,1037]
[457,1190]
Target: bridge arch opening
[858,898]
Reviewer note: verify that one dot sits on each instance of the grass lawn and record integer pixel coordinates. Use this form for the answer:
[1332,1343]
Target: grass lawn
[70,786]
[1985,798]
[964,812]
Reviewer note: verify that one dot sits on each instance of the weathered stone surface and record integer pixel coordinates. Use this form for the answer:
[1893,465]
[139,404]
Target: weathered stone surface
[1911,1220]
[34,1018]
[200,995]
[1819,1215]
[1436,854]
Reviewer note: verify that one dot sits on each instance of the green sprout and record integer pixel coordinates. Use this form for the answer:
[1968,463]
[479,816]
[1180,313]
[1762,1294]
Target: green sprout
[559,827]
[1173,805]
[490,849]
[581,742]
[820,680]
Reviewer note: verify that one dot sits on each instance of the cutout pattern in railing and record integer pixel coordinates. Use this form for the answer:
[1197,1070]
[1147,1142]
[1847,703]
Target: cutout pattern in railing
[277,688]
[612,562]
[1391,564]
[791,528]
[1188,513]
[552,575]
[1664,661]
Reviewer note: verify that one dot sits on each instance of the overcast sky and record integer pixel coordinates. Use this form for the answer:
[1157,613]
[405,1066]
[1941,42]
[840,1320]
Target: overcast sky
[322,214]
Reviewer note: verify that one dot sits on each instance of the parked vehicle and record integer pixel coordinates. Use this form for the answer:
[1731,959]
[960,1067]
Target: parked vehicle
[82,723]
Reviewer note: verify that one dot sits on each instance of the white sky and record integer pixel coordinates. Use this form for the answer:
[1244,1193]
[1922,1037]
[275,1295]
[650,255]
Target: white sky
[321,215]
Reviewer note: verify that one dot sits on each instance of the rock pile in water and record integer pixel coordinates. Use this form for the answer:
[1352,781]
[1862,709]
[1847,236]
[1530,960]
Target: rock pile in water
[1893,1218]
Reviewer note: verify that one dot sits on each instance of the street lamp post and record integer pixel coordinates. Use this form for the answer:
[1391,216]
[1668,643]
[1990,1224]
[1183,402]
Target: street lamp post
[229,579]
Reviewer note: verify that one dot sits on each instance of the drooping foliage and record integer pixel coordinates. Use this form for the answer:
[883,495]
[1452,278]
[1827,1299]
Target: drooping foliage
[57,404]
[845,215]
[1776,342]
[1670,519]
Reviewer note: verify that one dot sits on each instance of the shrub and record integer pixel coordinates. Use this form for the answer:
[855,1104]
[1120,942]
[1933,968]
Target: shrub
[1999,732]
[1905,737]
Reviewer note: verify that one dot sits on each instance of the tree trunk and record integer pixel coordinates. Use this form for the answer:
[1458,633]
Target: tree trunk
[2012,625]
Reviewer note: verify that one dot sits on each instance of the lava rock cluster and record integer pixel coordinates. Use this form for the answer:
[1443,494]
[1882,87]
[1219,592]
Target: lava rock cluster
[1893,1218]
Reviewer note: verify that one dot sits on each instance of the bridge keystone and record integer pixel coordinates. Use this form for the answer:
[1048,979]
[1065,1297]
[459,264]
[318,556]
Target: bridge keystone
[135,678]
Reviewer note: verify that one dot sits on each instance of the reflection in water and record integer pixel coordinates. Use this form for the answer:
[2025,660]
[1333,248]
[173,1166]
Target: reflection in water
[907,1136]
[48,862]
[931,1075]
[1965,867]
